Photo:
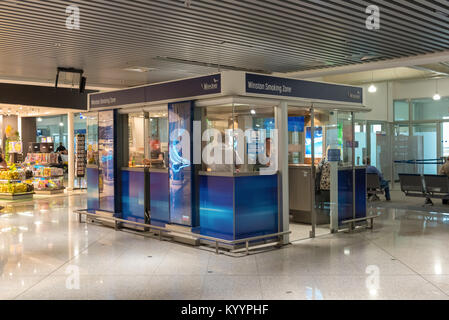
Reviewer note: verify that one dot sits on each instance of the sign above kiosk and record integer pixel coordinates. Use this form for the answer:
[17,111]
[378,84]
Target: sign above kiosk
[227,83]
[179,89]
[285,87]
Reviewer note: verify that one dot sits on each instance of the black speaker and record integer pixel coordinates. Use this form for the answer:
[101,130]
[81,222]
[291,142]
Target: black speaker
[82,84]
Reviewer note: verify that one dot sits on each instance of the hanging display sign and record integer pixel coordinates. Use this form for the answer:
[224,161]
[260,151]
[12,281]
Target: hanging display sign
[285,87]
[158,92]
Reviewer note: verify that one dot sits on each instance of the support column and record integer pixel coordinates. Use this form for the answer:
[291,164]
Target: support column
[282,126]
[71,150]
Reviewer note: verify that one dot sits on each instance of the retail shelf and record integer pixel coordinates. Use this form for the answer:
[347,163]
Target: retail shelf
[49,191]
[48,177]
[14,196]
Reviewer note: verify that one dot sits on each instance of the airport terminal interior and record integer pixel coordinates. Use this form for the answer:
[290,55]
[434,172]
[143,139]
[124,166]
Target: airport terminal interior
[223,150]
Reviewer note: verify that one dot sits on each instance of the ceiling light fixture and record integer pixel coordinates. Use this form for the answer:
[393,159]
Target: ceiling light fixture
[372,88]
[39,119]
[140,69]
[61,124]
[253,111]
[436,96]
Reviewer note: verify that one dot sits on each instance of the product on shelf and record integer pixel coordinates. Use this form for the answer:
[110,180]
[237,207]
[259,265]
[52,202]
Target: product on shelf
[48,172]
[47,178]
[14,181]
[11,175]
[42,184]
[42,158]
[16,188]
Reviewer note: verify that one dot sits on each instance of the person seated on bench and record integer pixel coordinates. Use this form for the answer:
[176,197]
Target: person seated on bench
[444,171]
[383,183]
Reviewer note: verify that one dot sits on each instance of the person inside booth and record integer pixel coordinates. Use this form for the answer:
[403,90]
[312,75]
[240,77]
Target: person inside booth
[156,155]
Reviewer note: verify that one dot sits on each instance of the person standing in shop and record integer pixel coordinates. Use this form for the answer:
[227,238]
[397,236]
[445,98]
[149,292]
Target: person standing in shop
[61,149]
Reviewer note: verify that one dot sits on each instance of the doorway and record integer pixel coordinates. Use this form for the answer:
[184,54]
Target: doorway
[309,208]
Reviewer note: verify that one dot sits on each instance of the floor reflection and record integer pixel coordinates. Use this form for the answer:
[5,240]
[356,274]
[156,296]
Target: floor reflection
[46,254]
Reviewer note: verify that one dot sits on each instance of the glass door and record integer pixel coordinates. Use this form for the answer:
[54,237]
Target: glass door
[425,137]
[379,147]
[92,171]
[444,139]
[401,144]
[345,180]
[361,147]
[301,173]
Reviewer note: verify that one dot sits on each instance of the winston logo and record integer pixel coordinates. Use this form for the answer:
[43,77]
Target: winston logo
[355,94]
[210,86]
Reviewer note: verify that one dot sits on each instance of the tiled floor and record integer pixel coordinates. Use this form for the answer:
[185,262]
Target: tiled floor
[46,254]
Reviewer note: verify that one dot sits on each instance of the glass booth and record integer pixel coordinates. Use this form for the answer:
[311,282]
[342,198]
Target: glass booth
[227,161]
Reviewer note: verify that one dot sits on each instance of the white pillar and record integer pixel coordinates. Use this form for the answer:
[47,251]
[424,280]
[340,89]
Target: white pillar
[71,150]
[282,126]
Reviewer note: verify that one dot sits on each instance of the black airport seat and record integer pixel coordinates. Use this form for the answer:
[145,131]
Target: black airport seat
[412,185]
[373,183]
[437,186]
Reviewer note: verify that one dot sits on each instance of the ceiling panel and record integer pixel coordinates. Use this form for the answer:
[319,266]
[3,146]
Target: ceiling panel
[182,41]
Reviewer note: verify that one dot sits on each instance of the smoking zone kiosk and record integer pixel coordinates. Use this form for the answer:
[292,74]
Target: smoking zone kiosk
[228,158]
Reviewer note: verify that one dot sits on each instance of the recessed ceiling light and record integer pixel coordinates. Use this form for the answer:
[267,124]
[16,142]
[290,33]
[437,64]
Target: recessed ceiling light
[140,69]
[368,57]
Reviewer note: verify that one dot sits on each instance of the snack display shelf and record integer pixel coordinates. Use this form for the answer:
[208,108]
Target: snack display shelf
[16,196]
[49,177]
[49,191]
[49,184]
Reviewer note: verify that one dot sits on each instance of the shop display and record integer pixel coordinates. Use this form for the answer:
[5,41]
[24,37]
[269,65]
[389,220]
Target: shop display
[80,164]
[48,179]
[15,183]
[42,158]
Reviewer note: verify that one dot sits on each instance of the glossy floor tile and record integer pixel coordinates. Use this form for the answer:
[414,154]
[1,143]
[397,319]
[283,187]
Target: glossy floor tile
[46,254]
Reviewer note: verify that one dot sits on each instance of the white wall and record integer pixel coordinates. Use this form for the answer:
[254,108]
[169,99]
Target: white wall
[419,89]
[380,102]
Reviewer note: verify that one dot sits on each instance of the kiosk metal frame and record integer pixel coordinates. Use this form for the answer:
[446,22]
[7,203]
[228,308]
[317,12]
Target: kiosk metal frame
[243,88]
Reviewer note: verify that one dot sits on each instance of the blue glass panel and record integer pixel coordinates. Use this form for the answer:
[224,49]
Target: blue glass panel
[106,159]
[256,205]
[217,207]
[344,195]
[318,142]
[92,189]
[296,124]
[133,196]
[159,198]
[180,169]
[360,194]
